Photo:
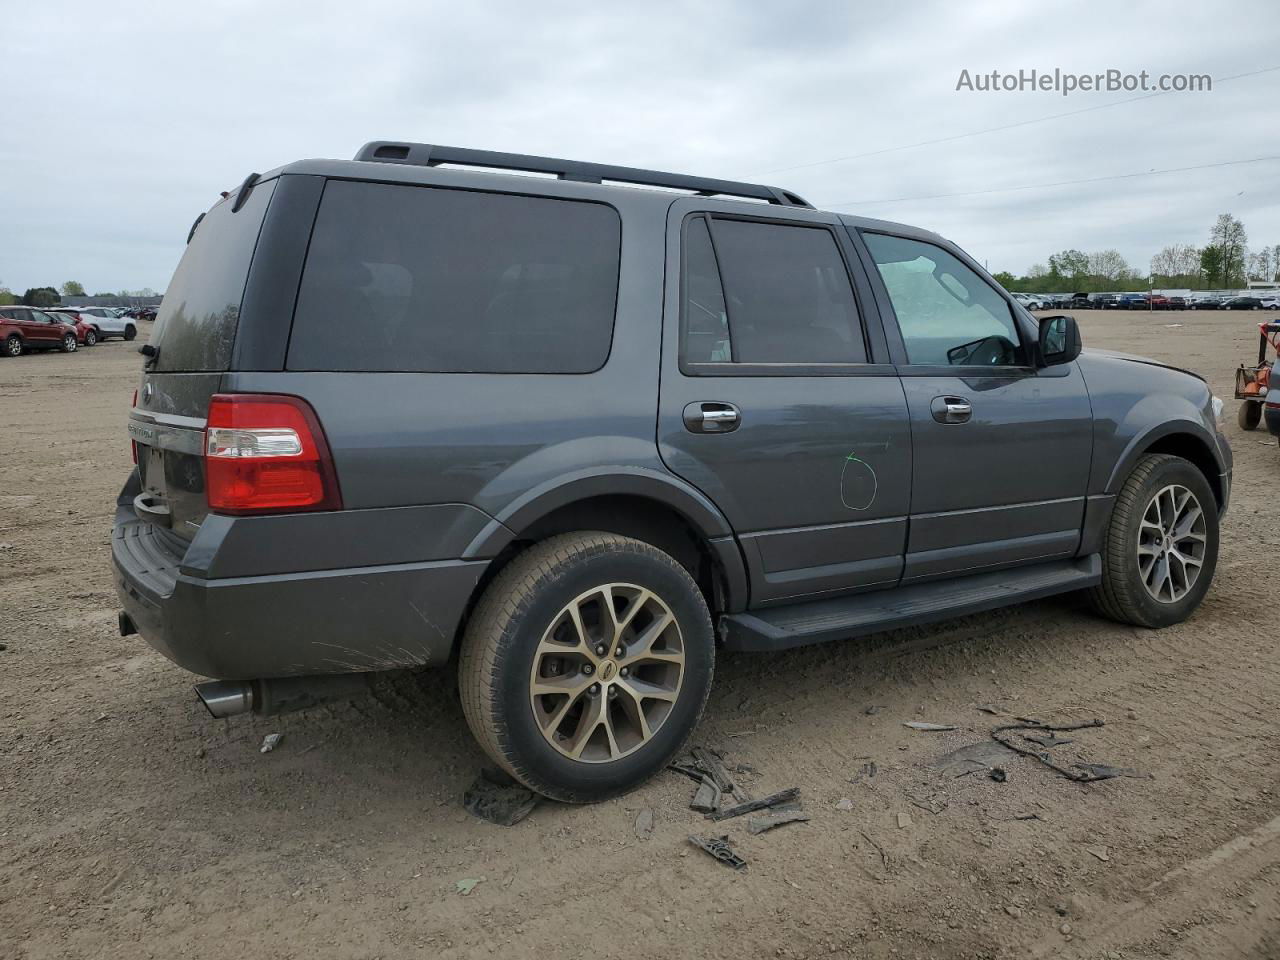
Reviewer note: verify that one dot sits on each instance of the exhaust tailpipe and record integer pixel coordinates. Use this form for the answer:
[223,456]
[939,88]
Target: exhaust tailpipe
[226,698]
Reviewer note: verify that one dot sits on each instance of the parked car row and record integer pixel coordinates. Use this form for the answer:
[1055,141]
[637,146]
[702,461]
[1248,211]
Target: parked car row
[23,329]
[1143,301]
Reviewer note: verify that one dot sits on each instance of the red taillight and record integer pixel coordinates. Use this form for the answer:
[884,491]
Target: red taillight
[266,453]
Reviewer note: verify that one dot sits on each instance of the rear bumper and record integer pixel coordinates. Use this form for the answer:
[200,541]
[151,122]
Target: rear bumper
[346,620]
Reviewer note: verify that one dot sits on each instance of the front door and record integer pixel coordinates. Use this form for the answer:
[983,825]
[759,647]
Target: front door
[776,400]
[1001,449]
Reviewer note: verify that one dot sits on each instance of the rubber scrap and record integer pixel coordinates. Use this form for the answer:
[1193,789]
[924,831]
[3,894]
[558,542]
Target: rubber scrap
[751,806]
[775,818]
[925,725]
[707,798]
[1047,739]
[719,848]
[498,798]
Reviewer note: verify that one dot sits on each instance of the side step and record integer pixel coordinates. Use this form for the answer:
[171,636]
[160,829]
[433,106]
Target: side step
[816,621]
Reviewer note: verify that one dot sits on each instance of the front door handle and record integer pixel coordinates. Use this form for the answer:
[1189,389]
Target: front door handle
[710,416]
[951,409]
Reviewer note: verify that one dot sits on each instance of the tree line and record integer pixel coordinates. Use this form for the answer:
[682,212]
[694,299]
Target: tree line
[1225,262]
[52,296]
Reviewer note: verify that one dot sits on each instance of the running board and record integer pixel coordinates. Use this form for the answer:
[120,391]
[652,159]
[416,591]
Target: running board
[816,621]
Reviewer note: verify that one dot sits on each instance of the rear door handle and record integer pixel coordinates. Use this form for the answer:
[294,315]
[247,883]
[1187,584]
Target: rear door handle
[710,416]
[951,409]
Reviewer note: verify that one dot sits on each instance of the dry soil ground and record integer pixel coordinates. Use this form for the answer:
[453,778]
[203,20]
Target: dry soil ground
[133,825]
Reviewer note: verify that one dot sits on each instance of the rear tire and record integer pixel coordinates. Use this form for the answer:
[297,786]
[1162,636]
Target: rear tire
[90,338]
[130,332]
[13,345]
[550,618]
[1249,415]
[1135,587]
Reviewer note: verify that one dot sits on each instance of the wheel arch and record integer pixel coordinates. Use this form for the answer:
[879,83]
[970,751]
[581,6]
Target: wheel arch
[635,502]
[1184,439]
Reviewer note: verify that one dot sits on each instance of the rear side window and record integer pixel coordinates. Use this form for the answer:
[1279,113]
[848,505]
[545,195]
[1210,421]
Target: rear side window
[407,278]
[196,325]
[767,293]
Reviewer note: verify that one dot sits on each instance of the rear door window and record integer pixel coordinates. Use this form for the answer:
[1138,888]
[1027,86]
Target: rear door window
[786,290]
[409,278]
[196,325]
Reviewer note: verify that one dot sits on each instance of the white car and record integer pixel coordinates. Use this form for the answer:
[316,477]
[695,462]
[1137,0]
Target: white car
[108,323]
[1271,302]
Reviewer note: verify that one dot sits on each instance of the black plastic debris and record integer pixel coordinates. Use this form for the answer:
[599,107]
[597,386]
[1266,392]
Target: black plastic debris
[707,798]
[998,774]
[1047,739]
[775,818]
[1101,771]
[719,848]
[751,806]
[499,799]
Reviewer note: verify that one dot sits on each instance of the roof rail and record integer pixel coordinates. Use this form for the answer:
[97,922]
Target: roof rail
[431,155]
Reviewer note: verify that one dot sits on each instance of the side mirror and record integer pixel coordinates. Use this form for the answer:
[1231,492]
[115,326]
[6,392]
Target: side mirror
[1059,340]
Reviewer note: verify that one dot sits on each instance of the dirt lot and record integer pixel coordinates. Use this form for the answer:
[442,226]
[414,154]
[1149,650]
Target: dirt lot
[134,825]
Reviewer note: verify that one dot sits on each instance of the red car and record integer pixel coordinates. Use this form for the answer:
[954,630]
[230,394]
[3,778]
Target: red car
[1159,301]
[26,328]
[86,334]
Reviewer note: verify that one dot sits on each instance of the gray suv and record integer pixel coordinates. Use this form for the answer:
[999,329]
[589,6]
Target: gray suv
[574,435]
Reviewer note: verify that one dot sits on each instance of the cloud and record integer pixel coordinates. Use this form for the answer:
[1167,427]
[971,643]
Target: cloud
[114,148]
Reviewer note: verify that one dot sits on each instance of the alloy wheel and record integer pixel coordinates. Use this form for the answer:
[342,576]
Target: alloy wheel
[607,673]
[1171,543]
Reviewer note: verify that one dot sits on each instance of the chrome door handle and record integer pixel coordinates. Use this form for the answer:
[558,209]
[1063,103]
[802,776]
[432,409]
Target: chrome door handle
[711,417]
[951,409]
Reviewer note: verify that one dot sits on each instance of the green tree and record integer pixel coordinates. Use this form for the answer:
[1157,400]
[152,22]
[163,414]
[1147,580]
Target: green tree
[73,288]
[1211,265]
[1229,237]
[1005,279]
[41,297]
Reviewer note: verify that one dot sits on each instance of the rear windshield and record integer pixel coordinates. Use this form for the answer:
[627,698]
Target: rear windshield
[408,278]
[196,324]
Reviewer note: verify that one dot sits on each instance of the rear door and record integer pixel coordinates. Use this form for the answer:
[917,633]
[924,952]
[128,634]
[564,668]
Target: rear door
[194,335]
[776,401]
[44,329]
[1001,449]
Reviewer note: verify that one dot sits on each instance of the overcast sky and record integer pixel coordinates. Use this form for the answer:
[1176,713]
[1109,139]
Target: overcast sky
[124,120]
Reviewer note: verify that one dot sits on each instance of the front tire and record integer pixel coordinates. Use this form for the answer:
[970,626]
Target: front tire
[586,665]
[1161,545]
[90,338]
[13,345]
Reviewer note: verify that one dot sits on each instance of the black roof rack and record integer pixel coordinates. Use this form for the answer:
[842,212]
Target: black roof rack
[431,155]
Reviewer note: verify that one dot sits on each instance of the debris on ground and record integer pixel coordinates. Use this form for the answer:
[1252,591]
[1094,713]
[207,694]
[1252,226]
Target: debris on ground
[872,710]
[707,797]
[1102,853]
[498,798]
[719,848]
[775,818]
[1084,772]
[990,708]
[467,884]
[930,803]
[974,758]
[904,821]
[1047,739]
[644,823]
[787,796]
[925,725]
[884,857]
[998,774]
[844,803]
[270,742]
[1100,771]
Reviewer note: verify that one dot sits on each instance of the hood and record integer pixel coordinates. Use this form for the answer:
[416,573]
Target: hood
[1114,355]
